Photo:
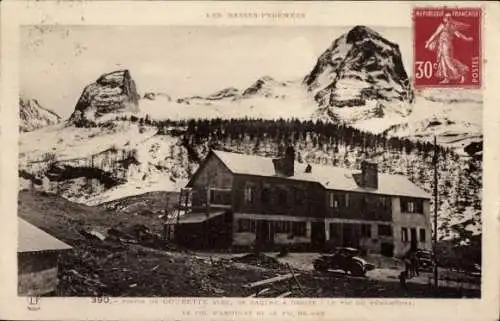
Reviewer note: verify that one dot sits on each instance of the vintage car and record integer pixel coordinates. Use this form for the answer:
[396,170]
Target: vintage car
[343,258]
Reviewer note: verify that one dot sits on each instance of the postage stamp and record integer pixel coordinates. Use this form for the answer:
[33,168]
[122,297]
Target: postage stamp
[447,47]
[244,161]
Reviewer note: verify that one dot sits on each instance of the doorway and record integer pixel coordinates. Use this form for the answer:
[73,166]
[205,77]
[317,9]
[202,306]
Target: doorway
[318,236]
[413,239]
[387,249]
[348,236]
[264,234]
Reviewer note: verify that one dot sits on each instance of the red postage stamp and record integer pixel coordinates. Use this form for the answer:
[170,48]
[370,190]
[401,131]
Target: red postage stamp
[447,47]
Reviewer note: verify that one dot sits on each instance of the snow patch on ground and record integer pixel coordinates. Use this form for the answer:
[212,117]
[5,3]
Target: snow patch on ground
[68,142]
[455,118]
[136,187]
[161,160]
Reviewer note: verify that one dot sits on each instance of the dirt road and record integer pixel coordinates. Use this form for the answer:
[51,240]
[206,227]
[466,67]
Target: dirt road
[387,270]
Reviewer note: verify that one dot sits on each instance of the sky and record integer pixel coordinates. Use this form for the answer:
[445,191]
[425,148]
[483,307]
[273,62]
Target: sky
[57,62]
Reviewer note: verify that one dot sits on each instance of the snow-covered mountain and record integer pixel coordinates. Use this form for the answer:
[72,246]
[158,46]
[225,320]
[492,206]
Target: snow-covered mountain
[454,117]
[266,98]
[111,93]
[33,116]
[360,67]
[360,81]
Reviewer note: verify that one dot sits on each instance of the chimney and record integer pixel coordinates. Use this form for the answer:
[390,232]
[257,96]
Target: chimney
[369,174]
[285,165]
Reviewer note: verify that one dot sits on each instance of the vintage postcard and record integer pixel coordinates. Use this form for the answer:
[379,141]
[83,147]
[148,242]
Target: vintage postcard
[249,160]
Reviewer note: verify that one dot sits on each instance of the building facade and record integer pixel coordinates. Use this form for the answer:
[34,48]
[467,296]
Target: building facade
[37,261]
[250,201]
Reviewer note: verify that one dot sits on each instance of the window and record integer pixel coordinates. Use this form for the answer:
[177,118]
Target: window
[266,194]
[366,202]
[404,234]
[282,227]
[346,200]
[218,196]
[383,202]
[334,201]
[299,196]
[299,228]
[411,205]
[282,196]
[422,235]
[404,206]
[384,230]
[419,206]
[249,194]
[366,230]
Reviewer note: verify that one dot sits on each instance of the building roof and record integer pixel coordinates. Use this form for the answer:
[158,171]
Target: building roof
[330,177]
[33,239]
[193,217]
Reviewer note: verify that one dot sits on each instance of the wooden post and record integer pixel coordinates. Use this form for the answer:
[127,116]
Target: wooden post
[165,220]
[208,201]
[435,213]
[295,278]
[186,201]
[179,208]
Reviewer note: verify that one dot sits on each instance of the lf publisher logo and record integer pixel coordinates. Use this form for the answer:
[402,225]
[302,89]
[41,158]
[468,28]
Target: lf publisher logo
[33,303]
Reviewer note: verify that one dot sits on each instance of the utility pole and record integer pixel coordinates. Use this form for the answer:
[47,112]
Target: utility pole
[435,213]
[179,207]
[208,201]
[166,228]
[186,201]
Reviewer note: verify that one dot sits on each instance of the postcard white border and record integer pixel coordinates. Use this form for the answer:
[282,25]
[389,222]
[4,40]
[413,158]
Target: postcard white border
[387,14]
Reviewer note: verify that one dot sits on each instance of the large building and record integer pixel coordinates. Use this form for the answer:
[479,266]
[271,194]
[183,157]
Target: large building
[242,201]
[37,255]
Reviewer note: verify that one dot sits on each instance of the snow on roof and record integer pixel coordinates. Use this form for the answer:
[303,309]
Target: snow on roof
[33,239]
[193,218]
[334,178]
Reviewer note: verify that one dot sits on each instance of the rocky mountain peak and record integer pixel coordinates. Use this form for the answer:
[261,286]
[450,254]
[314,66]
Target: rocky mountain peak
[263,86]
[359,66]
[229,92]
[33,116]
[157,95]
[361,33]
[112,92]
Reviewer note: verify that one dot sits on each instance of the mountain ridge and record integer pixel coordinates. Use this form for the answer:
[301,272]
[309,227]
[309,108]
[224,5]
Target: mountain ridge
[33,115]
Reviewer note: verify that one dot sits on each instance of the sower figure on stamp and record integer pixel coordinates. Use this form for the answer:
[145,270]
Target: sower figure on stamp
[448,67]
